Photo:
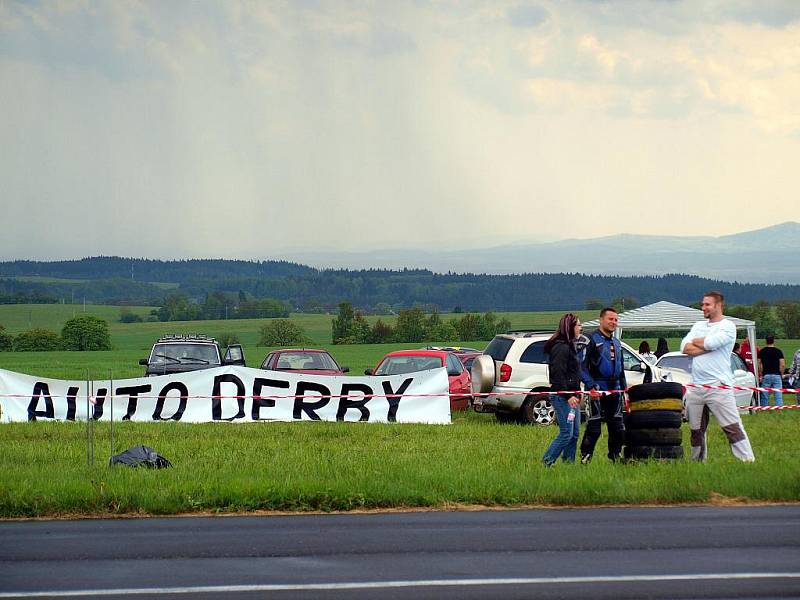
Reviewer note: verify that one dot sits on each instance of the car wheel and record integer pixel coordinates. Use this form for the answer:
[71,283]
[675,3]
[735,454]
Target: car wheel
[482,374]
[538,410]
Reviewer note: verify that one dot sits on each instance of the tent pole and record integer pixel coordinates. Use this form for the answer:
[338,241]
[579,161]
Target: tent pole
[751,336]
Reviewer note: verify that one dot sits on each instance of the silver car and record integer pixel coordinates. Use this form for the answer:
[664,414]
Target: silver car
[679,365]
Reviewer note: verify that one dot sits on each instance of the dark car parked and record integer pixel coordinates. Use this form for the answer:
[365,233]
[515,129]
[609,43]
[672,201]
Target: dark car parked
[179,353]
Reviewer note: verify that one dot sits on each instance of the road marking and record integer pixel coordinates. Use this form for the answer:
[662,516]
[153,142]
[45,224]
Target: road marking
[377,585]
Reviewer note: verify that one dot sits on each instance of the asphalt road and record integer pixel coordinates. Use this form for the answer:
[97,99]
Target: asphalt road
[691,552]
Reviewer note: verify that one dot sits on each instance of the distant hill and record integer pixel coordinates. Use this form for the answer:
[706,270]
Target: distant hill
[769,255]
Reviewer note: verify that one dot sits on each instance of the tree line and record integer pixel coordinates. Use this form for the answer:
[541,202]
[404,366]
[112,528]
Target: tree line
[312,290]
[414,325]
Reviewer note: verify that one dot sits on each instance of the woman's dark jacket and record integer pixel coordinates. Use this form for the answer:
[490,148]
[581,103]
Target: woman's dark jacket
[565,368]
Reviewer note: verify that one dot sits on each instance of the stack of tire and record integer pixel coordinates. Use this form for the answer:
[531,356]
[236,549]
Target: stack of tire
[653,423]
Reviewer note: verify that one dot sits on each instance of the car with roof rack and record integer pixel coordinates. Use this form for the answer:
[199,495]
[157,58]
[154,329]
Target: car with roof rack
[181,353]
[514,364]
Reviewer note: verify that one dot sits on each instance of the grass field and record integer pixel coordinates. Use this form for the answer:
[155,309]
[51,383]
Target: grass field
[132,341]
[338,466]
[346,466]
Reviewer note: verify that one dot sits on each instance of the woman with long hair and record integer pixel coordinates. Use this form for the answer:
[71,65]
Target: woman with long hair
[565,376]
[662,348]
[644,352]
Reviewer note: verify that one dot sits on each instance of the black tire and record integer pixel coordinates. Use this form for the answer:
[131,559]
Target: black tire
[653,419]
[537,410]
[653,437]
[657,452]
[672,404]
[655,391]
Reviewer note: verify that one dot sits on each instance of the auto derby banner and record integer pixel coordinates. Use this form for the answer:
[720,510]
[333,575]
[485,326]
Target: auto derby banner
[234,394]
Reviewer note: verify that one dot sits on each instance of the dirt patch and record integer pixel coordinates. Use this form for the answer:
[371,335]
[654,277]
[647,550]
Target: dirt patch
[715,499]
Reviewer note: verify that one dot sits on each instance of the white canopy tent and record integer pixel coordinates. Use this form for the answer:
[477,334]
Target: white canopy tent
[667,315]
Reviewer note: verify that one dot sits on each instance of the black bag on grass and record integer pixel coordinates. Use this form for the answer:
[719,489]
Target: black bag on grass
[141,456]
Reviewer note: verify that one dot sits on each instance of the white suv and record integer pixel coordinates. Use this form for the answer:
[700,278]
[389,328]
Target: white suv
[515,364]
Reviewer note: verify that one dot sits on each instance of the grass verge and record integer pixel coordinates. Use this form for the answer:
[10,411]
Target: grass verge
[348,466]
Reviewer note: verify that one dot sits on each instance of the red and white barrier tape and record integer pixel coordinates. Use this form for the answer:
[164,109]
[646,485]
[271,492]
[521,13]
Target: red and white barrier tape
[93,399]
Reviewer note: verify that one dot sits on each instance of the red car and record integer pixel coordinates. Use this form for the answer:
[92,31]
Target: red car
[306,360]
[409,361]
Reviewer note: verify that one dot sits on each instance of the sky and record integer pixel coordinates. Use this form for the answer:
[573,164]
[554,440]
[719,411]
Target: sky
[250,129]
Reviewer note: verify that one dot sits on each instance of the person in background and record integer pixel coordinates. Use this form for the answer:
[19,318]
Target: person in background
[747,355]
[709,343]
[737,348]
[771,365]
[565,375]
[644,352]
[603,370]
[794,374]
[661,347]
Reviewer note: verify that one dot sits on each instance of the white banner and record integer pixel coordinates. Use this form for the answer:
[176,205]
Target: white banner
[236,394]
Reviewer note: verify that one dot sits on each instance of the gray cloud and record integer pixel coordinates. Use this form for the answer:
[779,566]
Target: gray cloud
[238,129]
[527,15]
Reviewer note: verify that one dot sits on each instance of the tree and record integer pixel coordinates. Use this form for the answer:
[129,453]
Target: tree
[594,304]
[126,315]
[467,327]
[86,332]
[789,317]
[361,330]
[382,308]
[37,340]
[381,333]
[342,325]
[410,325]
[6,341]
[281,332]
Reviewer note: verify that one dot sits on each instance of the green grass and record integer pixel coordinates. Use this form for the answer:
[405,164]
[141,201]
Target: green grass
[337,466]
[346,466]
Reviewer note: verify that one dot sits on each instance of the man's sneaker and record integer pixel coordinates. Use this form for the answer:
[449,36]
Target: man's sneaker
[586,459]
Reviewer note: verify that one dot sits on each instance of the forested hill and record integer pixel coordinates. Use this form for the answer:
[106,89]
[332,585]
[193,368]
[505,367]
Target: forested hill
[142,269]
[109,280]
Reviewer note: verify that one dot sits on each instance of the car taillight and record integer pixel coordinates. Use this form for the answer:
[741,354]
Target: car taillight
[505,372]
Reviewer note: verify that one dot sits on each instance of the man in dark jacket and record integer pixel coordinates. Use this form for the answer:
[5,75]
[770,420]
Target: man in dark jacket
[603,370]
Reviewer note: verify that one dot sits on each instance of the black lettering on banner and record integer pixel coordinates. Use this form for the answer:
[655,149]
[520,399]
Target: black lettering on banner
[216,401]
[345,403]
[72,393]
[259,403]
[162,397]
[99,402]
[303,405]
[41,389]
[133,391]
[394,401]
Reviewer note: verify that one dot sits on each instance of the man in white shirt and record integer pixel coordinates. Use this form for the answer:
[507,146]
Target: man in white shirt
[710,343]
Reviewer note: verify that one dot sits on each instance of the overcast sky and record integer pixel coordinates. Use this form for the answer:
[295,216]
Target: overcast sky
[245,129]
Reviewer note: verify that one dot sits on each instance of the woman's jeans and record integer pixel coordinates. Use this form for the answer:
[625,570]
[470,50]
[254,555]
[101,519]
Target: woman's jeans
[772,381]
[566,442]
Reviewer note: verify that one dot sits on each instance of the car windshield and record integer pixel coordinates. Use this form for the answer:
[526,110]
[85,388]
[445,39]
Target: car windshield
[679,361]
[204,354]
[397,365]
[306,361]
